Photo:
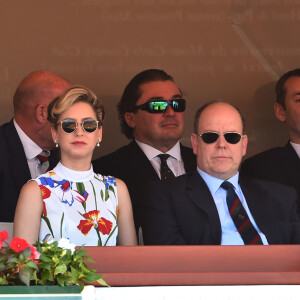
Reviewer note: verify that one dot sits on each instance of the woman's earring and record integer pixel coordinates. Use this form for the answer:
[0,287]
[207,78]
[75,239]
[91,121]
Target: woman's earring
[98,143]
[56,144]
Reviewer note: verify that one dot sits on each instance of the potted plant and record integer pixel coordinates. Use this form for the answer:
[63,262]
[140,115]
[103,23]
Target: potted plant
[44,264]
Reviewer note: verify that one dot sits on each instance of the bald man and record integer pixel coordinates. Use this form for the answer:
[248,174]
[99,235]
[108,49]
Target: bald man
[26,136]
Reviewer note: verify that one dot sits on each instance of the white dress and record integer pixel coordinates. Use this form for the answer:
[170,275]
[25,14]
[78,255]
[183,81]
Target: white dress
[79,205]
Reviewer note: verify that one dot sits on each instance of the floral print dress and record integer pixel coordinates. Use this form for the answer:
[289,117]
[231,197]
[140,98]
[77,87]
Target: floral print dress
[78,205]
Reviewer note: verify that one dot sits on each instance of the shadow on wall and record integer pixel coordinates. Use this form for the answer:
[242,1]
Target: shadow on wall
[263,128]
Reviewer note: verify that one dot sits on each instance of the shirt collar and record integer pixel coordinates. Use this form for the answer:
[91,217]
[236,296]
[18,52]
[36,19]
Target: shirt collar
[31,149]
[214,183]
[151,152]
[297,148]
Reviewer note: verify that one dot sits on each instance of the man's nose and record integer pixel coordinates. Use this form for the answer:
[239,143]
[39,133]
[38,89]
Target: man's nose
[221,142]
[170,111]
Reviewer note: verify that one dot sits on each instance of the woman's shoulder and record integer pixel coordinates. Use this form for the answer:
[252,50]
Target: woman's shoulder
[44,178]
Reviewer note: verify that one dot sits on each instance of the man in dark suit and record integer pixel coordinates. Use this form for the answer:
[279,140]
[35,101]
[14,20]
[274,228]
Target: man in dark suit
[151,112]
[214,205]
[26,136]
[282,164]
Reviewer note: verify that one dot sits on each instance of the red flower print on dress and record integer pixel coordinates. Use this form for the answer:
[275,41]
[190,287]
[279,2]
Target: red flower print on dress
[92,220]
[45,192]
[44,210]
[3,237]
[18,244]
[104,226]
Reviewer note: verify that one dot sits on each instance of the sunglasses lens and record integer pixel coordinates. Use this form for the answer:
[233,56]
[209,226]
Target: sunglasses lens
[178,105]
[68,126]
[157,106]
[232,137]
[89,125]
[161,106]
[209,137]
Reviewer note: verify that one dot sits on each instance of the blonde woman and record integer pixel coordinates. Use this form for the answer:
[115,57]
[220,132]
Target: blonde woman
[71,201]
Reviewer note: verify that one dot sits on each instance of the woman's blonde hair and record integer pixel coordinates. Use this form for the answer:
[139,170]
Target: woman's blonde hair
[72,95]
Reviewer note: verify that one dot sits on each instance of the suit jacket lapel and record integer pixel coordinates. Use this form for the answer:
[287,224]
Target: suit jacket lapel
[291,164]
[260,208]
[17,158]
[140,162]
[199,193]
[189,159]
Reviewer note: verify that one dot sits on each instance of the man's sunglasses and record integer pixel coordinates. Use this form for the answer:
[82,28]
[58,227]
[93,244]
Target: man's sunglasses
[210,137]
[70,125]
[161,106]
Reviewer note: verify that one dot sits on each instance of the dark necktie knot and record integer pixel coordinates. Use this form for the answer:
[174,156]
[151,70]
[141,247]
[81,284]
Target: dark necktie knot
[226,185]
[163,157]
[165,171]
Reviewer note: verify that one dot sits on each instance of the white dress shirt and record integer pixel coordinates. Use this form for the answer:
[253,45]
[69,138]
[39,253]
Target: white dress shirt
[174,162]
[31,150]
[297,148]
[230,235]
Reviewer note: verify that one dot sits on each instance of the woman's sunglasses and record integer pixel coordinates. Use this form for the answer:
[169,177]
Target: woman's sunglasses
[210,137]
[70,125]
[157,107]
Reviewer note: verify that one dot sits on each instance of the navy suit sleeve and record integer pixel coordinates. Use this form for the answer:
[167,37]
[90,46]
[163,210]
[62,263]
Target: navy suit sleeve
[160,226]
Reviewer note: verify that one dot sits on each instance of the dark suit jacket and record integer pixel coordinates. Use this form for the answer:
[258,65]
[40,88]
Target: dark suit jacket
[14,170]
[183,212]
[130,164]
[280,164]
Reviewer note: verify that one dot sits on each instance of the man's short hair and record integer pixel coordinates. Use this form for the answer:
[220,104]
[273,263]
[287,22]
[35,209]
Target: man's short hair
[203,107]
[132,93]
[280,88]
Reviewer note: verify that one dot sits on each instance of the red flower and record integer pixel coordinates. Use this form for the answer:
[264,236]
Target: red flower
[18,244]
[45,192]
[34,254]
[3,236]
[92,220]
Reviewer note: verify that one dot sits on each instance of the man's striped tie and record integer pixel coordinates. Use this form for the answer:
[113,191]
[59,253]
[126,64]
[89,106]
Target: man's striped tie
[239,216]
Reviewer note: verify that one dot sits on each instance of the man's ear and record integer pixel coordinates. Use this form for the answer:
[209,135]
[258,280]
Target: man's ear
[130,119]
[279,112]
[194,141]
[245,143]
[41,113]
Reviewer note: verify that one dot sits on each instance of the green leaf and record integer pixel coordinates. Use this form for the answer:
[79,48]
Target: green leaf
[91,277]
[74,274]
[32,264]
[60,281]
[46,275]
[26,252]
[3,281]
[60,269]
[25,275]
[102,282]
[12,259]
